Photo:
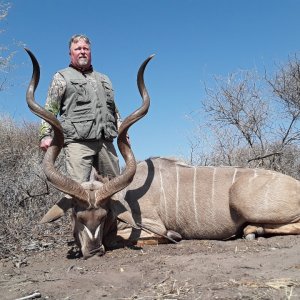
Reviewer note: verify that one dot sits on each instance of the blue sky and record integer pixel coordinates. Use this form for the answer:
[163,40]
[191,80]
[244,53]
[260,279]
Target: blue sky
[193,40]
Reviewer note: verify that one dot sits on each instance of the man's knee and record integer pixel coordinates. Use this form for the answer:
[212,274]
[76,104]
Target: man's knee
[108,161]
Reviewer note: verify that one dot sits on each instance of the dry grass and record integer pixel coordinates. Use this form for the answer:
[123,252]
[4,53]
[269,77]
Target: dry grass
[25,194]
[173,289]
[167,289]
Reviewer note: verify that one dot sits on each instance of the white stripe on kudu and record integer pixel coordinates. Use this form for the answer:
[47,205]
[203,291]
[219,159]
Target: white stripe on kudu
[194,195]
[177,192]
[213,192]
[234,175]
[162,192]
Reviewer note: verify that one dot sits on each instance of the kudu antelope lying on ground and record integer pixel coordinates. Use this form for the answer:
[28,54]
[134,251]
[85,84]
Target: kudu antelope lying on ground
[163,199]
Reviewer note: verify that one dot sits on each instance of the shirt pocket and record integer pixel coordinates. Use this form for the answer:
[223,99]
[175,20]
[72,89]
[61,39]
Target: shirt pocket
[80,89]
[108,90]
[84,127]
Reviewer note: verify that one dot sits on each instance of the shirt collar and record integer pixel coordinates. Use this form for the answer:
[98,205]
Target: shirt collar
[89,70]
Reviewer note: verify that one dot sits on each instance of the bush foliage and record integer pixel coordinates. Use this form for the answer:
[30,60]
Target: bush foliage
[25,192]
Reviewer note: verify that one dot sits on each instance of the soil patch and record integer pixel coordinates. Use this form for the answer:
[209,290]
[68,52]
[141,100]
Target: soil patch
[267,268]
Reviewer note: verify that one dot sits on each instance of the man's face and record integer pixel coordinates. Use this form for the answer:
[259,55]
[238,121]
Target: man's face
[80,54]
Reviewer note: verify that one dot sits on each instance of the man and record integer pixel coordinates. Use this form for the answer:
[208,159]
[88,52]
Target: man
[84,99]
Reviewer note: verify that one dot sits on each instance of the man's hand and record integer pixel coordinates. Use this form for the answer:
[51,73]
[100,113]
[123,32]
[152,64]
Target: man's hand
[45,143]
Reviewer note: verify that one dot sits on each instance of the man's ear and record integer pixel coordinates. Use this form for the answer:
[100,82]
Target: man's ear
[57,210]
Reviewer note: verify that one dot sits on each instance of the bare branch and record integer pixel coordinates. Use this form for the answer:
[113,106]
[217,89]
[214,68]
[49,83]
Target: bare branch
[249,124]
[31,196]
[265,156]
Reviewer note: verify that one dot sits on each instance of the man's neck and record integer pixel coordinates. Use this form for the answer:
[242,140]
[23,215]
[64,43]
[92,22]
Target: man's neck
[82,70]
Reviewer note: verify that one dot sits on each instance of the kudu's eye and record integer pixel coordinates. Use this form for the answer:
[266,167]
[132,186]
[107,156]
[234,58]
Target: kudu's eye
[81,218]
[101,219]
[102,215]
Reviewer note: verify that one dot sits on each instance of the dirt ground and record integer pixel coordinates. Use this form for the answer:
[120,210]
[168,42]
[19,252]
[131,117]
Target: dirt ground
[266,268]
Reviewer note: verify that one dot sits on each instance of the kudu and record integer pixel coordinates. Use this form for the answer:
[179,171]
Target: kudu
[165,200]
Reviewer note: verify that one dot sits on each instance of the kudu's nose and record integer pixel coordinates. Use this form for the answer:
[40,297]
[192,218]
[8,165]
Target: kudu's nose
[95,251]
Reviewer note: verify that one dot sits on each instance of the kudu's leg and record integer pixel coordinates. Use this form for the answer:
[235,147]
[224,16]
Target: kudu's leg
[268,202]
[170,236]
[251,231]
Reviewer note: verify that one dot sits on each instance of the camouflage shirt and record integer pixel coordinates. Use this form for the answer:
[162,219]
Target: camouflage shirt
[55,96]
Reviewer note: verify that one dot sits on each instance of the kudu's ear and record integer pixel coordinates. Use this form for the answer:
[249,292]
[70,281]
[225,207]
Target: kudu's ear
[57,210]
[120,212]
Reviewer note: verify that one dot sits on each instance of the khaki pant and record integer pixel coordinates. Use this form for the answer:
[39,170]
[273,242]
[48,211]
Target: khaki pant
[82,156]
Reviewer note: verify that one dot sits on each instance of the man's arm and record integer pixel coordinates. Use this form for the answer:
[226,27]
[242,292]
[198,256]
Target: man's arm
[119,122]
[53,102]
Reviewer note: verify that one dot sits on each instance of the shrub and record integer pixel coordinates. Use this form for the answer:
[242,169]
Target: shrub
[25,192]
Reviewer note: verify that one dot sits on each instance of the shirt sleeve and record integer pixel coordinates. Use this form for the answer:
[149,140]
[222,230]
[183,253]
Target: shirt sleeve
[118,118]
[53,102]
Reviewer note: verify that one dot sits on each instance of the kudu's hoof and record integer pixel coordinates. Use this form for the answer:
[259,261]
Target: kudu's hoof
[250,237]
